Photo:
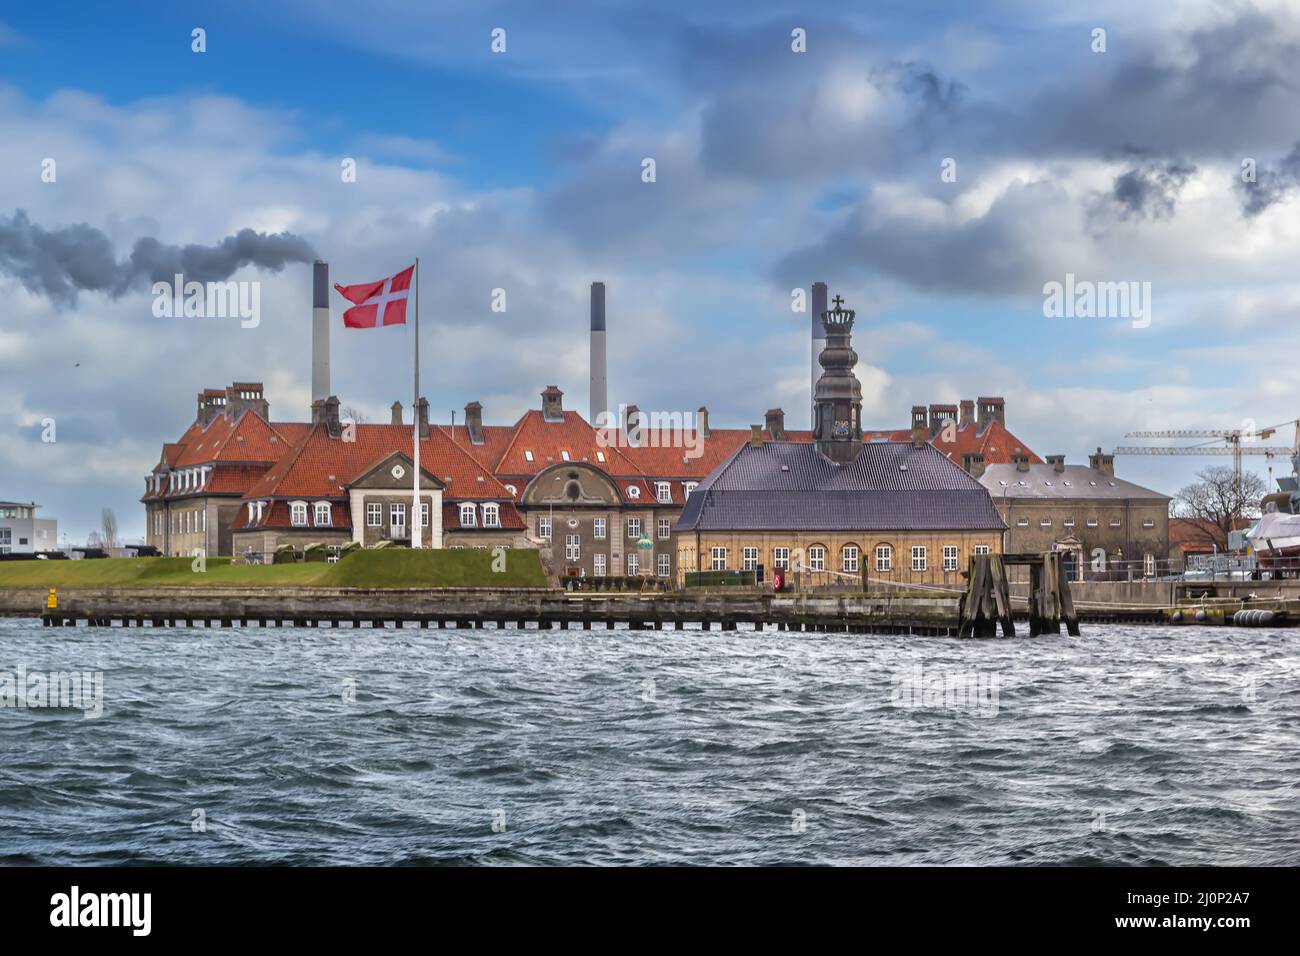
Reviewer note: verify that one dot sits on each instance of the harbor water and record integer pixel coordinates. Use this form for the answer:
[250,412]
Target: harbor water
[1129,745]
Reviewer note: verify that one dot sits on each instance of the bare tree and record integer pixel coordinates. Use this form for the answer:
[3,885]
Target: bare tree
[108,528]
[1213,500]
[350,413]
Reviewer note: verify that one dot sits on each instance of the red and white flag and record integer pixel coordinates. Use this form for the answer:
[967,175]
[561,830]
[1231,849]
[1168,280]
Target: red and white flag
[377,303]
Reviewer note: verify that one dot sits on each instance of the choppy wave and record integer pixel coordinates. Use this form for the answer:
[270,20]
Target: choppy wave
[1148,746]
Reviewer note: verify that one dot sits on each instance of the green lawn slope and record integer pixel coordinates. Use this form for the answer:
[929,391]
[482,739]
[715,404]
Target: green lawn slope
[386,568]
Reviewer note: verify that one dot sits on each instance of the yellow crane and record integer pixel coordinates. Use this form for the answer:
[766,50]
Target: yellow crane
[1232,441]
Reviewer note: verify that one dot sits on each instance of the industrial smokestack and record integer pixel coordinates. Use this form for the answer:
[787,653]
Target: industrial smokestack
[599,410]
[320,332]
[818,343]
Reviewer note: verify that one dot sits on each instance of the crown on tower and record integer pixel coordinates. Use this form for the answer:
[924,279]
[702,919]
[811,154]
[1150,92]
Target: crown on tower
[838,318]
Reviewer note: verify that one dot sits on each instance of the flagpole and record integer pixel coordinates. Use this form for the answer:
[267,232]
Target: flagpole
[415,429]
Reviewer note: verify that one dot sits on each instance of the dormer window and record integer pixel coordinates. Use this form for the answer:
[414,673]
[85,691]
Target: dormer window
[323,514]
[600,457]
[690,486]
[633,492]
[664,492]
[467,515]
[298,514]
[491,515]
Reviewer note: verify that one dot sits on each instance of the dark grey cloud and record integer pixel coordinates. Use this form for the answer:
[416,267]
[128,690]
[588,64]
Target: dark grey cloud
[999,252]
[1150,191]
[1271,186]
[61,262]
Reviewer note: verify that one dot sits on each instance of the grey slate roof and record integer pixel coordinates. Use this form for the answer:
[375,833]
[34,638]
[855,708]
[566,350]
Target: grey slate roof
[1076,482]
[790,486]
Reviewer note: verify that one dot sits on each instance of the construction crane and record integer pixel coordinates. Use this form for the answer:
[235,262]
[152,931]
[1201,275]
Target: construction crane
[1235,442]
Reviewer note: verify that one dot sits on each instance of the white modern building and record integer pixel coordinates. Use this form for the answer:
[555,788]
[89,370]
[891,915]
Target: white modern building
[22,532]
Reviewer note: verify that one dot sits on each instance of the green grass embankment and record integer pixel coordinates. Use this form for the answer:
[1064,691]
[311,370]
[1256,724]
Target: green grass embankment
[386,568]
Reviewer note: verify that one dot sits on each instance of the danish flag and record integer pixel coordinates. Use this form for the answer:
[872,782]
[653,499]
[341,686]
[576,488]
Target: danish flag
[377,303]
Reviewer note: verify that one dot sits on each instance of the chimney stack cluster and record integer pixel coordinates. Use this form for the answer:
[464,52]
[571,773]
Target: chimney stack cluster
[1102,462]
[1057,462]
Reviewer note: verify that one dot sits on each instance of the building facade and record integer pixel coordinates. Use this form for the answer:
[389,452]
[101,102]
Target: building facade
[22,532]
[1107,526]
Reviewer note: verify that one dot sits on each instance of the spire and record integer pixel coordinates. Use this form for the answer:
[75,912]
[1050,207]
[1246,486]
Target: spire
[837,423]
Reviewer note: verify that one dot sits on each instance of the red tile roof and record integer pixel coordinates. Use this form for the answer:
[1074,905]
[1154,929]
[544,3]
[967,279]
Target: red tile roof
[996,443]
[321,466]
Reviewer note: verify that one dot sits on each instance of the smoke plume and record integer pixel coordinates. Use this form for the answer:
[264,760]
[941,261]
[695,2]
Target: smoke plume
[59,263]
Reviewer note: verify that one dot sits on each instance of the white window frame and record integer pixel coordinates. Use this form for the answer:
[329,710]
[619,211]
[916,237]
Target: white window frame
[981,549]
[850,558]
[599,528]
[374,514]
[664,492]
[544,527]
[425,514]
[573,548]
[717,559]
[634,528]
[748,559]
[396,510]
[1044,522]
[1092,522]
[781,559]
[598,565]
[951,554]
[664,564]
[468,514]
[633,564]
[817,558]
[1022,522]
[884,558]
[297,514]
[665,528]
[919,557]
[323,507]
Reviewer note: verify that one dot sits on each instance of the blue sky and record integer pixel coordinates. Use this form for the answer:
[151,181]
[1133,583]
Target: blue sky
[521,171]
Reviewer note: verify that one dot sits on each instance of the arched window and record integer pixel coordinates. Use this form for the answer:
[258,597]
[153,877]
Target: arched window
[849,559]
[467,514]
[884,557]
[322,514]
[817,557]
[491,515]
[298,513]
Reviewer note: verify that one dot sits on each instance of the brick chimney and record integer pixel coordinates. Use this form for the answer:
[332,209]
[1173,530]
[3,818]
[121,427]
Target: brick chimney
[755,436]
[326,412]
[246,395]
[920,426]
[632,425]
[967,415]
[940,414]
[1057,462]
[212,401]
[990,410]
[776,423]
[552,404]
[474,422]
[1020,460]
[397,413]
[1102,462]
[422,416]
[702,420]
[973,462]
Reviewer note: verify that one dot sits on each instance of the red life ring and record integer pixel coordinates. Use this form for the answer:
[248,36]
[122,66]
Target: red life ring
[778,581]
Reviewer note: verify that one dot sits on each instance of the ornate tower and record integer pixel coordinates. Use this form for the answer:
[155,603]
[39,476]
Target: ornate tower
[837,427]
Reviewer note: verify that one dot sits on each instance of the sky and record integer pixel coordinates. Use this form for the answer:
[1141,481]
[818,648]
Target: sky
[937,164]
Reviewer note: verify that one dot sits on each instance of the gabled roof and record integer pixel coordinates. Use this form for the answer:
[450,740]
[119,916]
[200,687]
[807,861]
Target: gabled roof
[890,486]
[322,467]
